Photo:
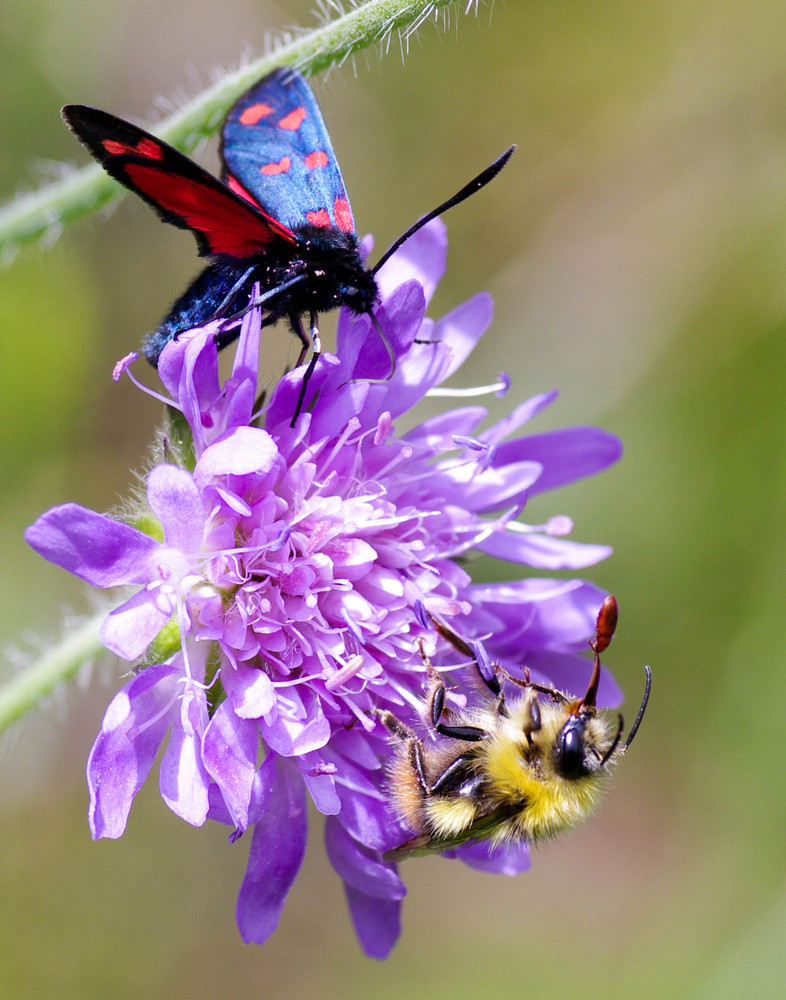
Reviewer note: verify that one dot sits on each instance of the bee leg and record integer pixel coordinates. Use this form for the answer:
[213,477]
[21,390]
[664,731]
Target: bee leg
[457,767]
[436,696]
[435,700]
[436,703]
[405,734]
[474,652]
[396,726]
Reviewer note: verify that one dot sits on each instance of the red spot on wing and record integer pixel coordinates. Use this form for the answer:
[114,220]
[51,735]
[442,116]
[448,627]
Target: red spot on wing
[343,215]
[228,225]
[250,116]
[145,147]
[294,119]
[320,218]
[316,159]
[276,168]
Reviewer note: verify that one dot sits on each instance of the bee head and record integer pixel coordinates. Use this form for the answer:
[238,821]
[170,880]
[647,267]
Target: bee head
[571,757]
[579,749]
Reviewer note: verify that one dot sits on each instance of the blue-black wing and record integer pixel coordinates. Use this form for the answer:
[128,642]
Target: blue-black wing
[277,154]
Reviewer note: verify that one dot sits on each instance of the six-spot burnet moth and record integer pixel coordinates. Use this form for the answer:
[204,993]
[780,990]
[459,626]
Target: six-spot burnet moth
[279,217]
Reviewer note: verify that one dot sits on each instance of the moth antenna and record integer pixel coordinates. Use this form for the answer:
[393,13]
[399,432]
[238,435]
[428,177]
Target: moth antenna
[469,189]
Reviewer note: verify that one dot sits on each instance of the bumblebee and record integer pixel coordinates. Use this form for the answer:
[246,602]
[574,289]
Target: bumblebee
[510,771]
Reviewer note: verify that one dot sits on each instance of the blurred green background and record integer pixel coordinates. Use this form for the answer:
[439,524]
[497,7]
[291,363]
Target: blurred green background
[636,249]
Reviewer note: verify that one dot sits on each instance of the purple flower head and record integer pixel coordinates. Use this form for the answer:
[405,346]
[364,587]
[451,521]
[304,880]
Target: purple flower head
[273,597]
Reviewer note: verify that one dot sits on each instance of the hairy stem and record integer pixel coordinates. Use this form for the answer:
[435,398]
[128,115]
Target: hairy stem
[39,679]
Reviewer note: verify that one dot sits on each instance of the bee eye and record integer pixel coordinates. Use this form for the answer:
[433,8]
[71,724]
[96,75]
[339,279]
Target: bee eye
[570,750]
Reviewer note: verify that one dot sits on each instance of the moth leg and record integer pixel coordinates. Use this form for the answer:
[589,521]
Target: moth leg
[316,347]
[300,333]
[229,298]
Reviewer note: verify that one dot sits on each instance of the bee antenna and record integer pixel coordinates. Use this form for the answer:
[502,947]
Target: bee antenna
[469,189]
[642,709]
[592,690]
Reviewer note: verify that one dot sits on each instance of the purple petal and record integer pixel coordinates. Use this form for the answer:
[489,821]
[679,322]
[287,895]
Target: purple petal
[424,365]
[129,629]
[337,404]
[217,810]
[183,780]
[189,369]
[178,354]
[539,613]
[246,364]
[176,501]
[354,745]
[300,727]
[364,814]
[566,455]
[522,414]
[251,691]
[508,859]
[377,922]
[438,433]
[462,328]
[277,848]
[237,452]
[360,868]
[489,489]
[262,788]
[285,397]
[319,778]
[134,726]
[363,352]
[241,402]
[422,257]
[101,551]
[542,551]
[229,753]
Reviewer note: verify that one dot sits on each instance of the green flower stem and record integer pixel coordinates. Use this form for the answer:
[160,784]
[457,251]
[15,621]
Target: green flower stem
[43,214]
[39,679]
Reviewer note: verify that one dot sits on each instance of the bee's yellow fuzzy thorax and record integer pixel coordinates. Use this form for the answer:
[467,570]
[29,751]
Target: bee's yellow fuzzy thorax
[550,802]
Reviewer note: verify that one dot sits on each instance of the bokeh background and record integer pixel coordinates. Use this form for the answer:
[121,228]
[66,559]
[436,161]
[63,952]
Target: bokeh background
[636,249]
